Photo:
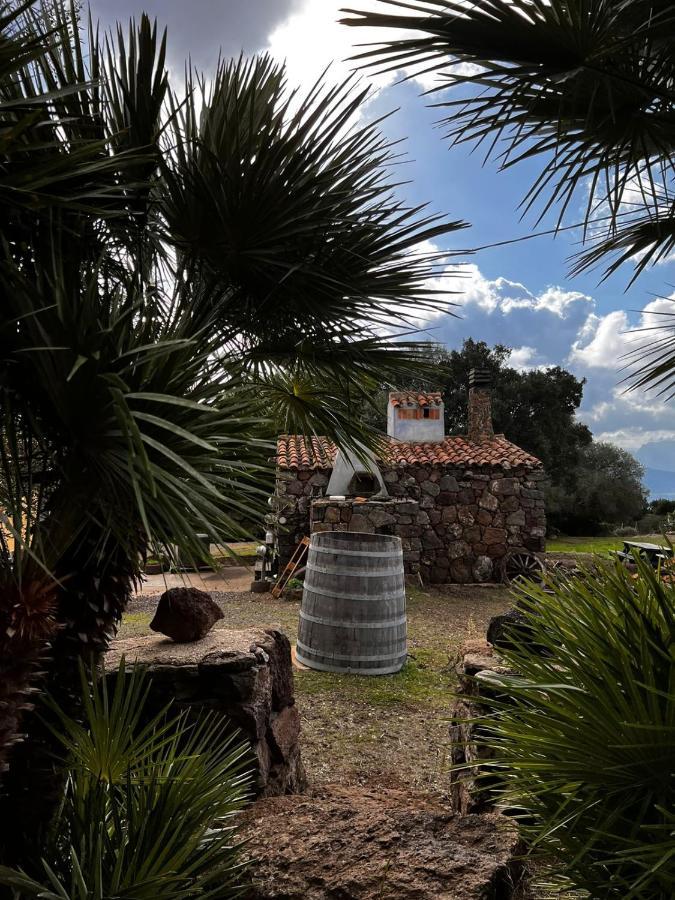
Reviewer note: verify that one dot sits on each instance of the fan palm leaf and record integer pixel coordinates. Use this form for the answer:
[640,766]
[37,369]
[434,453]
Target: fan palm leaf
[167,264]
[586,87]
[284,202]
[148,804]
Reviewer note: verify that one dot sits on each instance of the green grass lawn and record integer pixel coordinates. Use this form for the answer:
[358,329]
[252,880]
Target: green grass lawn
[597,544]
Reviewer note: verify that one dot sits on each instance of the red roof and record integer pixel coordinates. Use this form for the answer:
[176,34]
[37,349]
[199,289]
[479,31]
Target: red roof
[408,398]
[294,451]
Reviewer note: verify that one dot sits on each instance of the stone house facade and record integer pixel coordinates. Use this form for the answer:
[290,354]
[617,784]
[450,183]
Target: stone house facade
[460,504]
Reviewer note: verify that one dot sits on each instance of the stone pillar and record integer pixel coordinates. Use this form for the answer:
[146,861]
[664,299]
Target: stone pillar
[244,676]
[480,406]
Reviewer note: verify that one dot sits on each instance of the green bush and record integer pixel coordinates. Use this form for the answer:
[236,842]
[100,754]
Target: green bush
[147,809]
[585,739]
[651,524]
[625,531]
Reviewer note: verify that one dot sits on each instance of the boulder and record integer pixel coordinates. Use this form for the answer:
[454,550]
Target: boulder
[245,676]
[362,843]
[185,614]
[505,626]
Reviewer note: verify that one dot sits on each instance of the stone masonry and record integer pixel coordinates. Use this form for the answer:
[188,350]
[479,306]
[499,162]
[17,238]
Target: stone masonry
[398,517]
[466,520]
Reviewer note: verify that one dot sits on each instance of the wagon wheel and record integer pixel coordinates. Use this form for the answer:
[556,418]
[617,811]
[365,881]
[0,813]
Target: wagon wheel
[520,565]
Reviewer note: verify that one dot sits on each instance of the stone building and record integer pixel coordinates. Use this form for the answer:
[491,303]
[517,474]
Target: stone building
[460,504]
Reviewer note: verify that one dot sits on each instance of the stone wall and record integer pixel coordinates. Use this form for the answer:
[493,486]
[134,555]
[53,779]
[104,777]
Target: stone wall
[398,517]
[478,663]
[471,518]
[467,520]
[292,500]
[245,676]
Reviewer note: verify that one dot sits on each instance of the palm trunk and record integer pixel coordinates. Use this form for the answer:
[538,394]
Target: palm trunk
[90,606]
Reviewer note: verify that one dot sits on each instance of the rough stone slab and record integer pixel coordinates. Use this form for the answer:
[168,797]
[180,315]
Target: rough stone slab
[156,650]
[356,843]
[478,665]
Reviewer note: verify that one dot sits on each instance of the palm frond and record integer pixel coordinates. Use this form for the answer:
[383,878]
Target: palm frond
[586,86]
[651,360]
[149,804]
[284,201]
[582,737]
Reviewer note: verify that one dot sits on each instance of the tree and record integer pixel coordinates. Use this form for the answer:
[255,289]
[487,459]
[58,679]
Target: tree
[172,270]
[606,487]
[662,507]
[534,409]
[584,87]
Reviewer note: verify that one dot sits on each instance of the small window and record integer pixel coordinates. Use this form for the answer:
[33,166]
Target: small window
[426,413]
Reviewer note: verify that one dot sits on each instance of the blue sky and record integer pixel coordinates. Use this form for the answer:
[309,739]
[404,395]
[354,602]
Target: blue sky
[519,294]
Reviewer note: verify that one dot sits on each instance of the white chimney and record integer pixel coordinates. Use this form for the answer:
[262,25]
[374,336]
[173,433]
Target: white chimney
[416,417]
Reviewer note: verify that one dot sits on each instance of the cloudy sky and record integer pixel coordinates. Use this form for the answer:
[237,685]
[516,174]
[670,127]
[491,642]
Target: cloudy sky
[518,294]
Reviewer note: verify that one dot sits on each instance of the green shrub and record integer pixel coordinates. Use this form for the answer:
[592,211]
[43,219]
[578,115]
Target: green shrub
[585,739]
[625,531]
[651,524]
[147,809]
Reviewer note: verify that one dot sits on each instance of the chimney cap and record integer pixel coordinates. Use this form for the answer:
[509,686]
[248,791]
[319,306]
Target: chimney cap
[480,378]
[415,398]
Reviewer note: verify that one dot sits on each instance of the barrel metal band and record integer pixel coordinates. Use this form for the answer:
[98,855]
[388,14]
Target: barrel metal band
[380,657]
[342,595]
[350,623]
[365,573]
[347,670]
[390,555]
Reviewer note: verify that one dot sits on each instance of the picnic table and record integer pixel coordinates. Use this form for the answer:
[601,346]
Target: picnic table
[654,553]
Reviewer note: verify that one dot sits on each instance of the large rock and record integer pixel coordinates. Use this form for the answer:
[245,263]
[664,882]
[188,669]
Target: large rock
[505,627]
[185,614]
[245,676]
[356,843]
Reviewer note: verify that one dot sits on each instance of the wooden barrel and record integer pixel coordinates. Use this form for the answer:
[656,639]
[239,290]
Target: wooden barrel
[352,616]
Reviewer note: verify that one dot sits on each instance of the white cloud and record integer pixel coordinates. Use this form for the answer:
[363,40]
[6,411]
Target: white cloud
[312,37]
[602,341]
[558,301]
[522,358]
[562,327]
[631,438]
[504,296]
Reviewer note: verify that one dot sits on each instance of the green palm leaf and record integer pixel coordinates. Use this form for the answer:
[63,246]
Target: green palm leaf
[584,87]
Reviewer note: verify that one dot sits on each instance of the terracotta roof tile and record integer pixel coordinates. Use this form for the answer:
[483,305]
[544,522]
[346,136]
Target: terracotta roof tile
[295,451]
[299,452]
[408,398]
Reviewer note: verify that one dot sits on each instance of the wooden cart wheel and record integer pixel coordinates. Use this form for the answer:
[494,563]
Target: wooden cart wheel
[520,565]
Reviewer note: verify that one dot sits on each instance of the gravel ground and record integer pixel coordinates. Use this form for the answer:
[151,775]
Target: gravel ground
[390,729]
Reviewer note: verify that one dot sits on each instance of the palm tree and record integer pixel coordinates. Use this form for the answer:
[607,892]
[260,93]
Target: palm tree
[179,271]
[585,86]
